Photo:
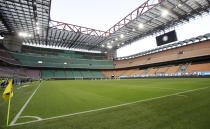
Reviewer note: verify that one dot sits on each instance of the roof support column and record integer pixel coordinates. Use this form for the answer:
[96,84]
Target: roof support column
[13,43]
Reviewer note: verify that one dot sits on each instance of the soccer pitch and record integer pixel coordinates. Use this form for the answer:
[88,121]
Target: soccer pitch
[114,104]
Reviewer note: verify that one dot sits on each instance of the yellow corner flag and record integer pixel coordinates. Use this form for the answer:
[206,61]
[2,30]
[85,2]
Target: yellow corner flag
[8,91]
[8,95]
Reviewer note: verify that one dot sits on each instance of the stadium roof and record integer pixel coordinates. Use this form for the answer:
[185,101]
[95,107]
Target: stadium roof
[165,47]
[31,19]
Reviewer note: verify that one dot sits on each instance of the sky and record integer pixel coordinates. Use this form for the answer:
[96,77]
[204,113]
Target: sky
[103,14]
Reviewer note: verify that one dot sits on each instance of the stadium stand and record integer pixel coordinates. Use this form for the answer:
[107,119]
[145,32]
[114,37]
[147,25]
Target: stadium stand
[71,74]
[37,60]
[188,49]
[19,72]
[5,56]
[198,67]
[162,70]
[172,69]
[152,71]
[64,53]
[94,65]
[178,70]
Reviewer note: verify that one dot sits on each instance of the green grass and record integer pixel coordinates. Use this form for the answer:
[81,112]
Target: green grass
[55,98]
[17,101]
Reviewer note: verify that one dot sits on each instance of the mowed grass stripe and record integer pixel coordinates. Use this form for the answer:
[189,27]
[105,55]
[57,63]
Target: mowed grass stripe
[173,112]
[53,99]
[107,108]
[56,98]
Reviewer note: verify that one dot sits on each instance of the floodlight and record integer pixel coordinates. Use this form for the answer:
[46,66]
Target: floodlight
[141,26]
[1,37]
[121,36]
[164,13]
[40,62]
[37,28]
[23,34]
[179,5]
[109,46]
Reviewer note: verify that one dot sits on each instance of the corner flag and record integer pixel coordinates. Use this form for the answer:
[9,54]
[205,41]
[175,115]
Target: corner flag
[8,95]
[8,91]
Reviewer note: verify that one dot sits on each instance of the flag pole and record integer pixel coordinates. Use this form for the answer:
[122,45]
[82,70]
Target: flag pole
[8,113]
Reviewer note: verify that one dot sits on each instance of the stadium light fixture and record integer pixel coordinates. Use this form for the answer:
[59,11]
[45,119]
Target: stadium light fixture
[164,13]
[141,26]
[1,37]
[121,36]
[23,34]
[40,62]
[37,28]
[109,46]
[179,5]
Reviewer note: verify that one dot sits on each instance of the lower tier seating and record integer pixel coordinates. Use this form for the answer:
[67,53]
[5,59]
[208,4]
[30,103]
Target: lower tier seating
[163,70]
[71,74]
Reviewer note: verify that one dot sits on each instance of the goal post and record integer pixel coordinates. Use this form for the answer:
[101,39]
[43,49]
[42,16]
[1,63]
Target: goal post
[78,78]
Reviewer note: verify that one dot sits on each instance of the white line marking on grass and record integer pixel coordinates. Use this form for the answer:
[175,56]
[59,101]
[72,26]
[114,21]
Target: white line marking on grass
[36,117]
[100,109]
[183,95]
[24,106]
[25,86]
[22,87]
[161,88]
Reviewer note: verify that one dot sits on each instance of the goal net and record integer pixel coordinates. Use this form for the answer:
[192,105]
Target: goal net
[78,78]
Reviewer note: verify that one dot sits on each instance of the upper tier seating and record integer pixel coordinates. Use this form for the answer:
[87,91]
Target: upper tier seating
[65,53]
[60,61]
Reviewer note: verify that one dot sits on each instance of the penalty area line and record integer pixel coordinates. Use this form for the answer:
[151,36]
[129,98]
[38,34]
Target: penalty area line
[106,108]
[24,106]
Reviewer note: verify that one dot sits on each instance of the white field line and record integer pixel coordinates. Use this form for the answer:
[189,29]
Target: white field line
[36,117]
[182,95]
[161,88]
[24,106]
[100,109]
[25,85]
[22,87]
